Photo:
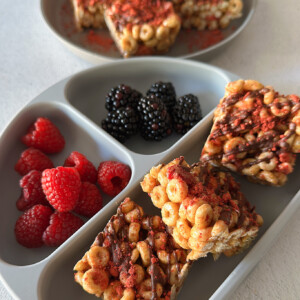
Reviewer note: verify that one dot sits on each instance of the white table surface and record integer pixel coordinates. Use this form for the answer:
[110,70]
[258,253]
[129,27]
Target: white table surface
[32,59]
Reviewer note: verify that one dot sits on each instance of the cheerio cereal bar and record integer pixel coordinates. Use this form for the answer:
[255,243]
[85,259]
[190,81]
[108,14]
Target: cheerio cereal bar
[208,14]
[142,27]
[134,257]
[256,132]
[203,208]
[89,13]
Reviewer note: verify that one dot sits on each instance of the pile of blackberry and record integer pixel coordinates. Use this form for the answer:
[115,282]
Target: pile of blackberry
[155,114]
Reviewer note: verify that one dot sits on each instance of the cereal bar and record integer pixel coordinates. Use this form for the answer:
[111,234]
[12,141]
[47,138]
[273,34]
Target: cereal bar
[134,257]
[142,27]
[208,14]
[203,208]
[89,13]
[256,132]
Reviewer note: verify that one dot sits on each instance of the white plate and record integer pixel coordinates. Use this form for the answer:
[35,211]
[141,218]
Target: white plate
[76,105]
[58,15]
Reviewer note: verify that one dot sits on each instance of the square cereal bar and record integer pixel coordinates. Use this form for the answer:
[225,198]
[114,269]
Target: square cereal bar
[89,13]
[256,132]
[203,208]
[142,27]
[208,14]
[134,257]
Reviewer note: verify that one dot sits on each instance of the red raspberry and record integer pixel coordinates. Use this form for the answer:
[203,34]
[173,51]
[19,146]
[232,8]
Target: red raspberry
[30,226]
[62,226]
[33,159]
[85,168]
[90,200]
[113,177]
[61,186]
[32,193]
[44,135]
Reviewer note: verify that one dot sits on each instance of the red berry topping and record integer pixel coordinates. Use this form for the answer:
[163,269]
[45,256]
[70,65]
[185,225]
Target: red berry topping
[90,200]
[33,159]
[44,135]
[32,193]
[113,177]
[61,186]
[85,168]
[31,225]
[62,226]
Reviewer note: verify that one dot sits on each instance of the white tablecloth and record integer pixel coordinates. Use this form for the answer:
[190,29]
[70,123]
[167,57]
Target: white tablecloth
[32,59]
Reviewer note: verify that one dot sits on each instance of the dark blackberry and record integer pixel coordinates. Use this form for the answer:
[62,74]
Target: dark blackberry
[186,113]
[122,96]
[154,119]
[121,123]
[165,91]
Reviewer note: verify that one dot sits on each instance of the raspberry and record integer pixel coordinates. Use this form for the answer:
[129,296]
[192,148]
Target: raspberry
[44,135]
[61,186]
[113,177]
[31,224]
[32,193]
[33,159]
[62,226]
[90,200]
[85,168]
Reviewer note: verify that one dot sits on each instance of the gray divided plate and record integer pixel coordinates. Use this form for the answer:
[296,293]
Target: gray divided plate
[76,106]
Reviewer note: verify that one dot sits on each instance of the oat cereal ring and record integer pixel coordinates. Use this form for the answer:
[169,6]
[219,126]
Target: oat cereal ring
[235,7]
[269,162]
[148,183]
[129,294]
[82,265]
[296,145]
[134,215]
[183,227]
[213,147]
[233,144]
[177,190]
[78,277]
[145,289]
[128,44]
[203,216]
[268,176]
[135,254]
[134,231]
[114,291]
[252,85]
[159,196]
[201,234]
[192,209]
[160,240]
[136,31]
[146,32]
[179,239]
[162,32]
[128,280]
[250,167]
[98,257]
[280,107]
[144,251]
[173,277]
[166,257]
[169,213]
[269,96]
[220,229]
[127,206]
[235,87]
[95,281]
[183,208]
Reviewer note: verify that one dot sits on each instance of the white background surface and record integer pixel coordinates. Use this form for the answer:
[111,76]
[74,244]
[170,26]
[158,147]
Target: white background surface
[32,59]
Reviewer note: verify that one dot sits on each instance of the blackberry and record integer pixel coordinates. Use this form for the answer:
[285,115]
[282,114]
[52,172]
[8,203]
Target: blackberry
[154,119]
[122,96]
[186,113]
[121,123]
[165,91]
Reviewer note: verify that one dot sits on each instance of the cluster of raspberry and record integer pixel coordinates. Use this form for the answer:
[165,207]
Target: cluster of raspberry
[54,198]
